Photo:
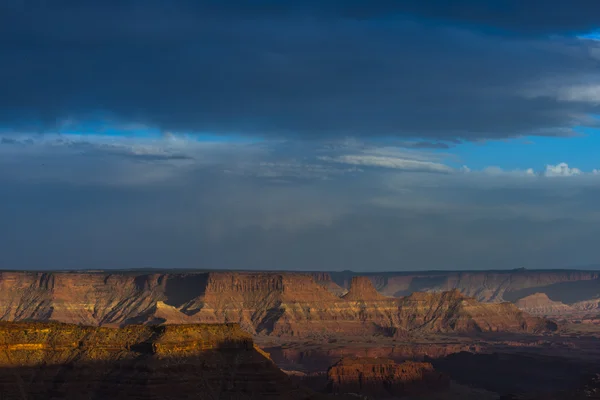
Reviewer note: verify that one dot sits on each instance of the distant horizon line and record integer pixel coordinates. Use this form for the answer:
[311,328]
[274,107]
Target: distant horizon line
[581,268]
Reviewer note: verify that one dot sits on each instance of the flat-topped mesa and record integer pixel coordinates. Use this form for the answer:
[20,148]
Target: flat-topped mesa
[383,378]
[32,343]
[283,286]
[241,282]
[361,289]
[64,361]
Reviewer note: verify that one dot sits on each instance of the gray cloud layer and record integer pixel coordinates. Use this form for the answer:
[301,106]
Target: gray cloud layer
[267,206]
[302,69]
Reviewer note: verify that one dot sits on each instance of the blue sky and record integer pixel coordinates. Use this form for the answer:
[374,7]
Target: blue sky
[534,152]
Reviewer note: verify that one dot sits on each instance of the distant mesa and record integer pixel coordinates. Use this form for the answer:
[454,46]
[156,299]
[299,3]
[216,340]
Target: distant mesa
[541,304]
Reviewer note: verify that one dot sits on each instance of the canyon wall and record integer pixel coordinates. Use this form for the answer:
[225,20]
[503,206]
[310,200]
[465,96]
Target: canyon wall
[270,304]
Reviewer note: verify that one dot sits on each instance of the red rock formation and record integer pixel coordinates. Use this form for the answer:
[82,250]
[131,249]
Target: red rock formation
[382,378]
[587,305]
[60,361]
[540,304]
[453,312]
[276,304]
[361,289]
[489,286]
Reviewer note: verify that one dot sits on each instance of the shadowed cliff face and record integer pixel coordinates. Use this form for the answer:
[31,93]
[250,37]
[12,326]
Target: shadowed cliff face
[568,286]
[62,361]
[540,377]
[272,304]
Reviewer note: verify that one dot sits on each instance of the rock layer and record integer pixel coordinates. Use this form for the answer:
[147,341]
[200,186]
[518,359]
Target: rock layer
[382,378]
[568,286]
[361,289]
[62,361]
[269,304]
[540,304]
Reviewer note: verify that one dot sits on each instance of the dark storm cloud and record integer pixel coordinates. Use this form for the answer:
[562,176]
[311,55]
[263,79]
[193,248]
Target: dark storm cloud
[305,69]
[532,17]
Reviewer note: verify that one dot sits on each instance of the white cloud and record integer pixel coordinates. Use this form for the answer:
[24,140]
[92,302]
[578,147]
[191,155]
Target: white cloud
[389,162]
[583,89]
[580,93]
[496,171]
[561,169]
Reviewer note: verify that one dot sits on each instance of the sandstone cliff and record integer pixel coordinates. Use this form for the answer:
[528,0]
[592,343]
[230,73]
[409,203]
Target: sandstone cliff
[453,312]
[383,378]
[271,304]
[61,361]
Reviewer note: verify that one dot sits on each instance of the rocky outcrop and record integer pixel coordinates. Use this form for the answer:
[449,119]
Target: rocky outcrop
[587,305]
[540,304]
[383,378]
[361,289]
[266,304]
[453,312]
[62,361]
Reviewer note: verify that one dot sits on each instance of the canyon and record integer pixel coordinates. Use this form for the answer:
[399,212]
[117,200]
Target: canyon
[292,329]
[267,304]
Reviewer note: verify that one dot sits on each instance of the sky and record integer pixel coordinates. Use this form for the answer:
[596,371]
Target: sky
[299,135]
